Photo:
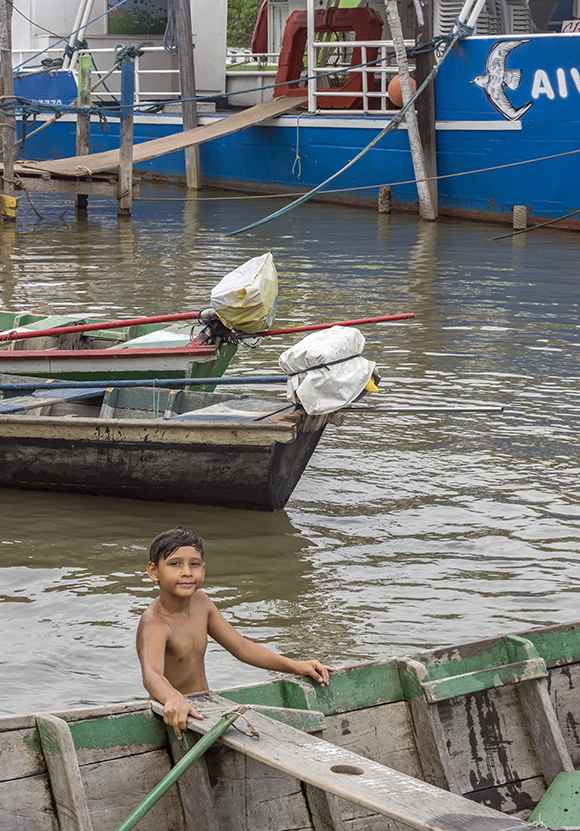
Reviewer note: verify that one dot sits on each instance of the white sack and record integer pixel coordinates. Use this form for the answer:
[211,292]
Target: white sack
[245,299]
[329,388]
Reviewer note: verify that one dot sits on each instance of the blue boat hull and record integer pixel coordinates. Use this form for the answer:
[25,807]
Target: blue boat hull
[499,102]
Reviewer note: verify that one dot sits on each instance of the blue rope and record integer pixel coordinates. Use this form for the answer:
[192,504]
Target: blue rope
[462,32]
[170,35]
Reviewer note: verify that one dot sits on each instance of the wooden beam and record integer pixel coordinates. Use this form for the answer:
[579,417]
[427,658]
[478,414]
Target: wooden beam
[143,151]
[347,775]
[324,809]
[64,773]
[425,207]
[93,187]
[9,135]
[544,729]
[424,63]
[124,194]
[83,121]
[194,790]
[187,88]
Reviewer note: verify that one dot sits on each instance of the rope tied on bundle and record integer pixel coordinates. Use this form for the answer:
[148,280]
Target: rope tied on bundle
[325,365]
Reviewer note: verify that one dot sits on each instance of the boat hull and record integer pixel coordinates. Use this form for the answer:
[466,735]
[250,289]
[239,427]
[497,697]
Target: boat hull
[479,128]
[138,352]
[112,365]
[232,465]
[376,767]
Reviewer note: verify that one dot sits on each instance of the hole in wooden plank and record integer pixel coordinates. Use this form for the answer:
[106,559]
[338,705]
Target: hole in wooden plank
[351,770]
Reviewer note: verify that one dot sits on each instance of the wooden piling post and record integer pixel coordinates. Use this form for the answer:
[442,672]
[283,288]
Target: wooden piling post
[424,63]
[385,199]
[520,217]
[187,87]
[425,205]
[125,192]
[83,121]
[8,200]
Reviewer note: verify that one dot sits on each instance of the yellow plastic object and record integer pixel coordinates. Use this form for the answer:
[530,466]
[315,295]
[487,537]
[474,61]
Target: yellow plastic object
[8,206]
[371,386]
[246,298]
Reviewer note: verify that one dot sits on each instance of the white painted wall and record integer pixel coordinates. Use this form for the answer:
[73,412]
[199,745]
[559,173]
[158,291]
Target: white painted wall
[209,24]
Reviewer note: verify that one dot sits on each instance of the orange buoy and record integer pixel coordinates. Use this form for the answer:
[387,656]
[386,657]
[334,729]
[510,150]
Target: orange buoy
[394,90]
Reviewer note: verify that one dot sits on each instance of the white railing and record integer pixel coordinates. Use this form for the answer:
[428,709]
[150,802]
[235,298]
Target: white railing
[158,83]
[236,58]
[151,84]
[383,69]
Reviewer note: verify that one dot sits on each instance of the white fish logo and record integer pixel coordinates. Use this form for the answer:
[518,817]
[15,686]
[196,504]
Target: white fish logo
[497,77]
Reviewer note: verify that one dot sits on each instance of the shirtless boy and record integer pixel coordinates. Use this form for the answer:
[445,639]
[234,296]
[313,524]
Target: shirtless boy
[173,630]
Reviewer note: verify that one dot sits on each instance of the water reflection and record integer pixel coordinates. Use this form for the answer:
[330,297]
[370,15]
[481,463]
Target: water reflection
[395,517]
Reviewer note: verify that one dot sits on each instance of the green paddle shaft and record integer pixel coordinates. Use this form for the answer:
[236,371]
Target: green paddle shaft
[184,764]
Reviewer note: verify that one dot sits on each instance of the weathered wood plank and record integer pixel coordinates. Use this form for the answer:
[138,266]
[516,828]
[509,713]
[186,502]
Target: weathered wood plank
[324,809]
[114,788]
[195,793]
[544,729]
[143,151]
[488,740]
[251,796]
[117,735]
[383,733]
[563,685]
[516,799]
[35,184]
[20,754]
[26,805]
[63,770]
[347,775]
[432,746]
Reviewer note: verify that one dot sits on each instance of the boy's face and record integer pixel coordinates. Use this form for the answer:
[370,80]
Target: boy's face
[181,573]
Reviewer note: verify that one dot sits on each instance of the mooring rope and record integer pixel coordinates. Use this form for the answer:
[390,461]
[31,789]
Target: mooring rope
[460,33]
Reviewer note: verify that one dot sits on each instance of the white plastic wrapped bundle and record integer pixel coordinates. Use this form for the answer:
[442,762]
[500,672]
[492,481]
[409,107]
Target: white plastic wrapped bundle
[317,382]
[245,299]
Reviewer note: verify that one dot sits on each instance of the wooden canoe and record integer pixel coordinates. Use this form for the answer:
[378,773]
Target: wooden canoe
[229,450]
[144,352]
[462,738]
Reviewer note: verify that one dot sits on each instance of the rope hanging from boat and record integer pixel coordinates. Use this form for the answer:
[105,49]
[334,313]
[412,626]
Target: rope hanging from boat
[462,31]
[170,43]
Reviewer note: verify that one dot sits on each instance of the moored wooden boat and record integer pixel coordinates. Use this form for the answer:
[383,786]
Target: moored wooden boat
[464,737]
[146,351]
[158,444]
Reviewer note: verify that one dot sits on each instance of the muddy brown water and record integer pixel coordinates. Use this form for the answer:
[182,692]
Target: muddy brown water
[405,531]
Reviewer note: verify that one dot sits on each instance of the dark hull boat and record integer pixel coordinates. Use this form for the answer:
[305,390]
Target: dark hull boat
[232,451]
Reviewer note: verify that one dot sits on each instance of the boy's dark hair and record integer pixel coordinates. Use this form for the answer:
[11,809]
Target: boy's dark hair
[167,542]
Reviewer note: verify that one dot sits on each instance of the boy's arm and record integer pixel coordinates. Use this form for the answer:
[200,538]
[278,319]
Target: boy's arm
[151,644]
[258,656]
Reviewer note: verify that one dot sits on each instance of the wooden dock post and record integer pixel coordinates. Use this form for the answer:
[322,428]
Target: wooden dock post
[385,199]
[83,121]
[8,201]
[187,87]
[424,63]
[519,217]
[425,205]
[125,192]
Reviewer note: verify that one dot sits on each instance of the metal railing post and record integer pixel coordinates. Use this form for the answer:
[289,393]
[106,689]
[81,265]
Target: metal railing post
[311,55]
